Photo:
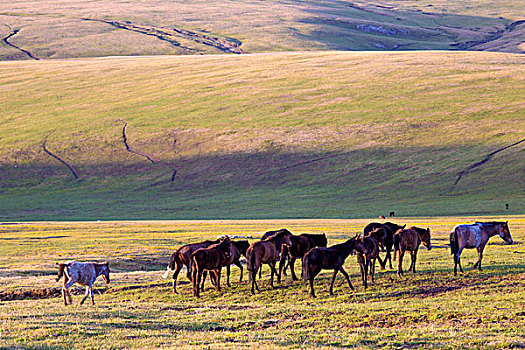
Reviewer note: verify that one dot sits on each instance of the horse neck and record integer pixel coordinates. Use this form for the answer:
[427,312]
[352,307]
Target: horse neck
[343,248]
[99,269]
[490,229]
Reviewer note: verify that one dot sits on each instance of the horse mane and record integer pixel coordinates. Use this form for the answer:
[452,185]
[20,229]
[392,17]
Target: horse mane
[419,229]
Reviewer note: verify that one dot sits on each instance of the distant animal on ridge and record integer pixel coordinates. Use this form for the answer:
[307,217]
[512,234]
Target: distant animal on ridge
[83,273]
[390,228]
[476,235]
[409,240]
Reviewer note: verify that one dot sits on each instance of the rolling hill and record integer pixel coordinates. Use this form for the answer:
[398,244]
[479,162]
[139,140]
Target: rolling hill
[93,28]
[303,135]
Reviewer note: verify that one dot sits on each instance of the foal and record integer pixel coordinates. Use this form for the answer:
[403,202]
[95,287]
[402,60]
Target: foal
[409,240]
[390,228]
[81,273]
[211,259]
[367,250]
[327,258]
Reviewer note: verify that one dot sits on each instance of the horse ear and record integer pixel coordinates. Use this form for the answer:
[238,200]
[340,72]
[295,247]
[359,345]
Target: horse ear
[106,263]
[405,225]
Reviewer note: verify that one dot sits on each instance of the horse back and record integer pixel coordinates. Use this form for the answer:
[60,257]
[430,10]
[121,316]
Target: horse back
[469,236]
[407,239]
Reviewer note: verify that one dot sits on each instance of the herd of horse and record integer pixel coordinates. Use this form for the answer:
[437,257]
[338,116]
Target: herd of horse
[284,248]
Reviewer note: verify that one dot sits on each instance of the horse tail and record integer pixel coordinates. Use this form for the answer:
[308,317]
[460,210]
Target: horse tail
[306,264]
[454,245]
[251,261]
[61,268]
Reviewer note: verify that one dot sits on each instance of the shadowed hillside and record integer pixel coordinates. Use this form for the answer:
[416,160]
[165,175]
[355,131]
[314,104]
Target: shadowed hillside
[41,29]
[262,136]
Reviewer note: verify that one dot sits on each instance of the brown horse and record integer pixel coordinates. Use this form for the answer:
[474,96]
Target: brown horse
[331,258]
[390,228]
[238,248]
[367,249]
[266,252]
[81,273]
[182,257]
[476,235]
[409,240]
[269,234]
[301,244]
[209,259]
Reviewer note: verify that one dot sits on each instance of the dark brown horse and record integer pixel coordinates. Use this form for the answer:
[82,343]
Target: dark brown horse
[367,249]
[301,244]
[238,249]
[269,234]
[211,259]
[390,228]
[331,258]
[476,235]
[266,252]
[182,257]
[409,240]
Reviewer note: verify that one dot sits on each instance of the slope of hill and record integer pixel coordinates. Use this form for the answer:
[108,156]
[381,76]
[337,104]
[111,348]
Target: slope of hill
[43,29]
[327,134]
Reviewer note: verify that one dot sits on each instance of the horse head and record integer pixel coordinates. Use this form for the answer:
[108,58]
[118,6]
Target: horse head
[425,238]
[320,240]
[105,272]
[504,232]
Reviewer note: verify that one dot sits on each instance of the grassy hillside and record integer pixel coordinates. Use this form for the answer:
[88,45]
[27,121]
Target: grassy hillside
[58,29]
[262,136]
[430,309]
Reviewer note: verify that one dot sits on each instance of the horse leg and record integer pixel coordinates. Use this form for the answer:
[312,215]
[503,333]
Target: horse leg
[389,256]
[372,269]
[411,260]
[66,288]
[272,267]
[312,293]
[203,278]
[292,268]
[382,263]
[282,268]
[347,277]
[176,275]
[194,273]
[414,259]
[228,276]
[254,276]
[218,279]
[333,280]
[65,293]
[480,256]
[239,265]
[400,263]
[85,295]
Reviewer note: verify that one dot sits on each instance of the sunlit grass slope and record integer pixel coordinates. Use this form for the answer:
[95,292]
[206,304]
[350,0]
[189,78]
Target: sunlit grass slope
[331,134]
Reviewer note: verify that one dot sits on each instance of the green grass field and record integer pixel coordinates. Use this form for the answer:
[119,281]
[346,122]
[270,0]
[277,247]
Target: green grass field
[429,309]
[282,135]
